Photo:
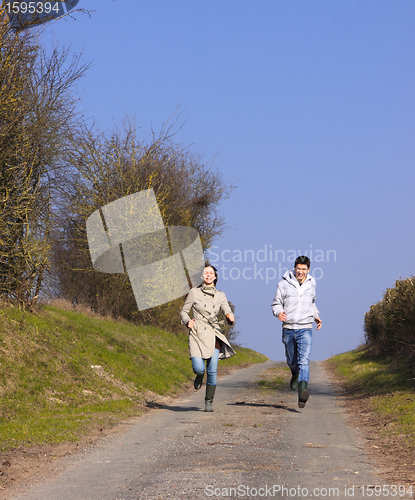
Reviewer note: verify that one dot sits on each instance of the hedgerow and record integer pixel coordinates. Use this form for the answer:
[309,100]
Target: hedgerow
[390,324]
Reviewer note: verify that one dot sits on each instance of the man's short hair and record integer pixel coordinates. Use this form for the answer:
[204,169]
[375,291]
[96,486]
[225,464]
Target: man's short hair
[302,260]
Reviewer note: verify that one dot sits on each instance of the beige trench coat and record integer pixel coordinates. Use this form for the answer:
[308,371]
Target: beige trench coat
[205,305]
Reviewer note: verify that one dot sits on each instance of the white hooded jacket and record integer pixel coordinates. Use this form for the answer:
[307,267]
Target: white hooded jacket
[297,301]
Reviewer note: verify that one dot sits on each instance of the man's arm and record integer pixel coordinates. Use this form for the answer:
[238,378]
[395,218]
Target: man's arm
[277,306]
[316,312]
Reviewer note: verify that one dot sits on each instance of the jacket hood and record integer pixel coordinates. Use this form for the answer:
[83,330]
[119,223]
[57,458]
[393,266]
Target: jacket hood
[290,277]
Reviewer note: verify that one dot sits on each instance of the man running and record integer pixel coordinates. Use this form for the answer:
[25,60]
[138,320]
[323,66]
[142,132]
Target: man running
[294,305]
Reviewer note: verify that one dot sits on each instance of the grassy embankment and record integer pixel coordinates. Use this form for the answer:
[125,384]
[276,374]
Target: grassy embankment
[64,372]
[387,387]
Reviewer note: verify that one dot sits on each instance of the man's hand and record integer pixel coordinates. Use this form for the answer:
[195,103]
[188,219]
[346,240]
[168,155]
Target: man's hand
[282,316]
[190,323]
[318,321]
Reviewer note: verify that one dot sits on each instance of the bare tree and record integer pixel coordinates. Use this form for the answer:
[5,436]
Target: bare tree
[23,15]
[37,110]
[106,167]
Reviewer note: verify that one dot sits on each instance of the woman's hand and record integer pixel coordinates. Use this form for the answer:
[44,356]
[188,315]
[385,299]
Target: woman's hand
[230,318]
[190,323]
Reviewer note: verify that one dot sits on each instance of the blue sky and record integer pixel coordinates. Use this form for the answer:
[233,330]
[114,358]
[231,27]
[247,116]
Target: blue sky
[307,106]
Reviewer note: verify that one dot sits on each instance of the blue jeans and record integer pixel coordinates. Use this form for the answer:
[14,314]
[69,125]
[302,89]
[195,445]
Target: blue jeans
[297,351]
[198,365]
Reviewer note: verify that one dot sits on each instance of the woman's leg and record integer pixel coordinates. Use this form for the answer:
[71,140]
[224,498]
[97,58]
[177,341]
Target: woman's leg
[198,365]
[212,368]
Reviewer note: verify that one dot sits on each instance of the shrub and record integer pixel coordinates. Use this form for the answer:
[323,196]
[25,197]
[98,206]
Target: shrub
[390,324]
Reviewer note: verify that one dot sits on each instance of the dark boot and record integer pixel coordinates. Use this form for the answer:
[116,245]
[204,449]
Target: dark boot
[198,381]
[210,392]
[303,394]
[294,381]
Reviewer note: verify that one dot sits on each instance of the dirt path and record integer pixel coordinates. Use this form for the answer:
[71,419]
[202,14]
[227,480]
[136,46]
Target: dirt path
[257,444]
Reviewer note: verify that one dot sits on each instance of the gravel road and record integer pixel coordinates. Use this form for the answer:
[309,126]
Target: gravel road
[256,444]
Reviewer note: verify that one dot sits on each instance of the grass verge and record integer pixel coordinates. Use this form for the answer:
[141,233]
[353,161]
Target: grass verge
[380,395]
[63,372]
[387,385]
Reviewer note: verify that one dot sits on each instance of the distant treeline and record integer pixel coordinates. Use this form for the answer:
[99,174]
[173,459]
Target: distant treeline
[390,324]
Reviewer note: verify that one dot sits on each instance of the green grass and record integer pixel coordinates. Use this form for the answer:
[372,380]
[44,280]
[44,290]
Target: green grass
[275,379]
[64,372]
[244,356]
[273,384]
[388,384]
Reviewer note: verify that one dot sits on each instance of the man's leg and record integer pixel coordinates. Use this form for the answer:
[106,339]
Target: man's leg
[304,342]
[289,340]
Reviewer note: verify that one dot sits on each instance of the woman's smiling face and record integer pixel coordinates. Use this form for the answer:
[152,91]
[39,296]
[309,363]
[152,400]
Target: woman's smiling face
[208,276]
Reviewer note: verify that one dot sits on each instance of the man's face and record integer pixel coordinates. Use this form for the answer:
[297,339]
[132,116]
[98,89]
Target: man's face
[301,271]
